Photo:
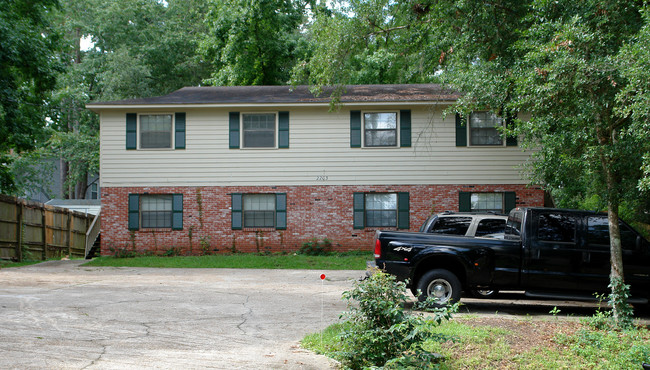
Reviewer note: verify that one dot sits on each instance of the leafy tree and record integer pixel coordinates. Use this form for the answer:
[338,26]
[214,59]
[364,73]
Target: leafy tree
[253,42]
[26,75]
[558,61]
[368,42]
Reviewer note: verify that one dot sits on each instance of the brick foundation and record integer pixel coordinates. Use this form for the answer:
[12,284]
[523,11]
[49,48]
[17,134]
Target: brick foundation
[312,212]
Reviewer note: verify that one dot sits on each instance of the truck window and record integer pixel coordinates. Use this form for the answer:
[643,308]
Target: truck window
[553,227]
[598,233]
[513,226]
[490,226]
[451,225]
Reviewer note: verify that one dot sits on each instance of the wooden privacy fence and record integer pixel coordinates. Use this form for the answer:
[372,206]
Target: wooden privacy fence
[35,231]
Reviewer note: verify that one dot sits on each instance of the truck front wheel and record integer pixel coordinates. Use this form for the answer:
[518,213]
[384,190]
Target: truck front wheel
[440,284]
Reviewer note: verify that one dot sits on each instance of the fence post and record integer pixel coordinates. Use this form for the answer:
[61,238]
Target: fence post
[44,231]
[19,230]
[70,235]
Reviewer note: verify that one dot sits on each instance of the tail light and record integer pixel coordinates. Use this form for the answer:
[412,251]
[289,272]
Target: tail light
[377,248]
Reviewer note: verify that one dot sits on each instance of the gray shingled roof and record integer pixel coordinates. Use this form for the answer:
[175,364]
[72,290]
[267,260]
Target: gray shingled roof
[291,95]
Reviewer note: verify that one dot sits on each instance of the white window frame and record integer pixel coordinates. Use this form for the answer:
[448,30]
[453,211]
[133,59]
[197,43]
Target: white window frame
[141,211]
[276,133]
[503,201]
[245,211]
[469,133]
[173,129]
[397,129]
[394,210]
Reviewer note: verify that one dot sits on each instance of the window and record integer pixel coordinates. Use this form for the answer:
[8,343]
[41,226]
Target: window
[155,131]
[381,210]
[258,130]
[259,210]
[487,202]
[490,226]
[94,191]
[380,129]
[553,227]
[451,225]
[483,129]
[155,211]
[598,233]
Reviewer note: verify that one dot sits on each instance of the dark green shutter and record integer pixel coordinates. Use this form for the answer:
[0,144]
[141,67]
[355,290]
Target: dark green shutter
[134,211]
[283,129]
[179,138]
[177,211]
[464,201]
[405,128]
[131,131]
[359,210]
[355,129]
[236,216]
[510,201]
[233,124]
[510,123]
[403,210]
[281,211]
[461,131]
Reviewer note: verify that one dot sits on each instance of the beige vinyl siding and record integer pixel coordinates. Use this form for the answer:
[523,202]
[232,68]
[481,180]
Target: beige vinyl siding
[319,153]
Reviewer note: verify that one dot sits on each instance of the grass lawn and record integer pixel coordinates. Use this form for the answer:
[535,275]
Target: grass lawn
[335,261]
[4,263]
[516,343]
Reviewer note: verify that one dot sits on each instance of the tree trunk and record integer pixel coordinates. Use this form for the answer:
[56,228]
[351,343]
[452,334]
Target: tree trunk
[621,311]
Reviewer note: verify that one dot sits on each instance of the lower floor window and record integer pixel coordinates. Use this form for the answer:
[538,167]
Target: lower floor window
[381,210]
[156,211]
[259,210]
[487,202]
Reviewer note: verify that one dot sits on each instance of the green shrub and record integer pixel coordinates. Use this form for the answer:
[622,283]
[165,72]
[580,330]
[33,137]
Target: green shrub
[314,247]
[380,332]
[123,252]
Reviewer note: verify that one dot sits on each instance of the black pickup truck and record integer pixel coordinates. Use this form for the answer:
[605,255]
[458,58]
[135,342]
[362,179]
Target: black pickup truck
[546,252]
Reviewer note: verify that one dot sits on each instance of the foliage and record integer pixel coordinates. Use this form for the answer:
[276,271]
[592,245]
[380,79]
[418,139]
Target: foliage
[314,247]
[608,349]
[253,42]
[123,252]
[27,71]
[380,331]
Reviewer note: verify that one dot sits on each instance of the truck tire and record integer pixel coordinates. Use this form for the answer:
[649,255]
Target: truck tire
[440,284]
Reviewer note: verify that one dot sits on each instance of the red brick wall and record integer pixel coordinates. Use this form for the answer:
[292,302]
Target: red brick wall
[312,212]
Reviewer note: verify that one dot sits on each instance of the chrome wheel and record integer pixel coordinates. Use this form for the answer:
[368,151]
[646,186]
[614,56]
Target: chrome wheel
[440,289]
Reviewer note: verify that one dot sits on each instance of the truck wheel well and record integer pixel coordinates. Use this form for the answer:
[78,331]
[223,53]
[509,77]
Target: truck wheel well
[440,262]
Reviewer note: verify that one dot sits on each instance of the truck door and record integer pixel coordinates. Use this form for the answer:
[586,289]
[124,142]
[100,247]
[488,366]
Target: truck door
[553,256]
[596,265]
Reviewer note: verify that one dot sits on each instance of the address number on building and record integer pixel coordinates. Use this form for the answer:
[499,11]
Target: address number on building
[322,178]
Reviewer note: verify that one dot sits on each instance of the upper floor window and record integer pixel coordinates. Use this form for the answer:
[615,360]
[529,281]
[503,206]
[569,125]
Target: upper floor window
[484,129]
[259,130]
[380,129]
[155,131]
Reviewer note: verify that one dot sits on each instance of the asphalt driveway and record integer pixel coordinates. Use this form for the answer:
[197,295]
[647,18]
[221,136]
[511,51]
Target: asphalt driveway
[61,315]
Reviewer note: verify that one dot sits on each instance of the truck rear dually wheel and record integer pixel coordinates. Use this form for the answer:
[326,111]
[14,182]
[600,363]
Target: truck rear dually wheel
[440,284]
